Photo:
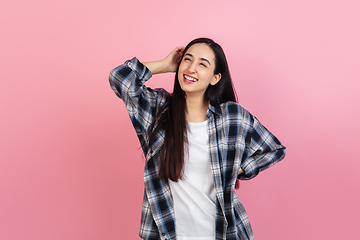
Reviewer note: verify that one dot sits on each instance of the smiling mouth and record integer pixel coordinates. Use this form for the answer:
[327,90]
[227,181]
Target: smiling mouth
[190,79]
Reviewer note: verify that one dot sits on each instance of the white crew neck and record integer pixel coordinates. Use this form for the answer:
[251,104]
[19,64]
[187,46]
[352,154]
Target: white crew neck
[203,122]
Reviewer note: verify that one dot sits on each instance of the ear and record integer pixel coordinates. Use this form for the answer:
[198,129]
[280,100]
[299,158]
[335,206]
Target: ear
[217,78]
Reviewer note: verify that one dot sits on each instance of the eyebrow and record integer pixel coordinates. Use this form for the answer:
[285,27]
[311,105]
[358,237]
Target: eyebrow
[203,59]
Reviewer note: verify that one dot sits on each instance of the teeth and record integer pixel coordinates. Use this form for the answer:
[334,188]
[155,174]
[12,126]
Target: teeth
[190,78]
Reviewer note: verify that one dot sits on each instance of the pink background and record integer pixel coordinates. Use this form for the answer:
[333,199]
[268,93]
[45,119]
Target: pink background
[69,164]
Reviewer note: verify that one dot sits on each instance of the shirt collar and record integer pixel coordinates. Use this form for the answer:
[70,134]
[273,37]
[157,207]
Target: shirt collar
[213,110]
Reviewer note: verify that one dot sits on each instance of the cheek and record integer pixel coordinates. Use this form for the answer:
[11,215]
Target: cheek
[207,75]
[180,79]
[182,66]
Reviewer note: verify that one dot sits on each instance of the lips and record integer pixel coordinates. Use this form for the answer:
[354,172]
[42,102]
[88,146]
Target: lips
[189,79]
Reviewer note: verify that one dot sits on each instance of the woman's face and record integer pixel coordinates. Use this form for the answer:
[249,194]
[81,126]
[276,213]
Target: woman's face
[196,70]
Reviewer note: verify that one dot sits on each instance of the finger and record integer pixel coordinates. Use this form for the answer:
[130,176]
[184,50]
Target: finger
[179,49]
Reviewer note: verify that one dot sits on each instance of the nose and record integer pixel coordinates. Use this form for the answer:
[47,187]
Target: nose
[192,68]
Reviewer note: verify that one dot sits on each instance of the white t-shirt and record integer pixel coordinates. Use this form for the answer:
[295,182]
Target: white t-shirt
[194,196]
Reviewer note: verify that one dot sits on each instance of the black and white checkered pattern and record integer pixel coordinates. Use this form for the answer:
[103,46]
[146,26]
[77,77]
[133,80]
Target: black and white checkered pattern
[236,139]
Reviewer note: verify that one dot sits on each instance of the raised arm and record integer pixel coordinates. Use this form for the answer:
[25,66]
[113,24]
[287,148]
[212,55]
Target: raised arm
[168,64]
[142,103]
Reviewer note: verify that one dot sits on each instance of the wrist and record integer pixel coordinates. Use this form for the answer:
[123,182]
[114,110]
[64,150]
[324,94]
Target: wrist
[155,67]
[163,66]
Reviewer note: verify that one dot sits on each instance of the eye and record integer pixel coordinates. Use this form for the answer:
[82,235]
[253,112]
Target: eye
[202,64]
[187,59]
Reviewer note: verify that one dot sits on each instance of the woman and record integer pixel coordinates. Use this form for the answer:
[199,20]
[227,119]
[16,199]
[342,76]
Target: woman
[197,141]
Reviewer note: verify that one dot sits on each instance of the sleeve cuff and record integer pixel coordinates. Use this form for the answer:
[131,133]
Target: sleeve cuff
[248,168]
[140,69]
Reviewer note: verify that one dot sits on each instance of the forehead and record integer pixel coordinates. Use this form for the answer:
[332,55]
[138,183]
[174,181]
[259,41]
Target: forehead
[201,50]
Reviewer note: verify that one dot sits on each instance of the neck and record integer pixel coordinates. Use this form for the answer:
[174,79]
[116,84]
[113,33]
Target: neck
[196,108]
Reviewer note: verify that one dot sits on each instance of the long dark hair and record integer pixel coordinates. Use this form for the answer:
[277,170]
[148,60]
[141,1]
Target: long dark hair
[171,118]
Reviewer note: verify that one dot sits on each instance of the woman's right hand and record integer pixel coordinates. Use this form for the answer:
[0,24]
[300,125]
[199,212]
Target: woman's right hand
[168,64]
[172,60]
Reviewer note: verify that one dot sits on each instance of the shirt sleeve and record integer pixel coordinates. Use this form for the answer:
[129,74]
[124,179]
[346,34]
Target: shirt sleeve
[263,150]
[142,103]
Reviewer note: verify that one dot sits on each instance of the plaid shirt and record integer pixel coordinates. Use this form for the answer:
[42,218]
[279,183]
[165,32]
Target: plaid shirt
[236,139]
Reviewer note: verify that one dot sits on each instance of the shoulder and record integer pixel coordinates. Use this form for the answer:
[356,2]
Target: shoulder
[234,109]
[235,115]
[162,94]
